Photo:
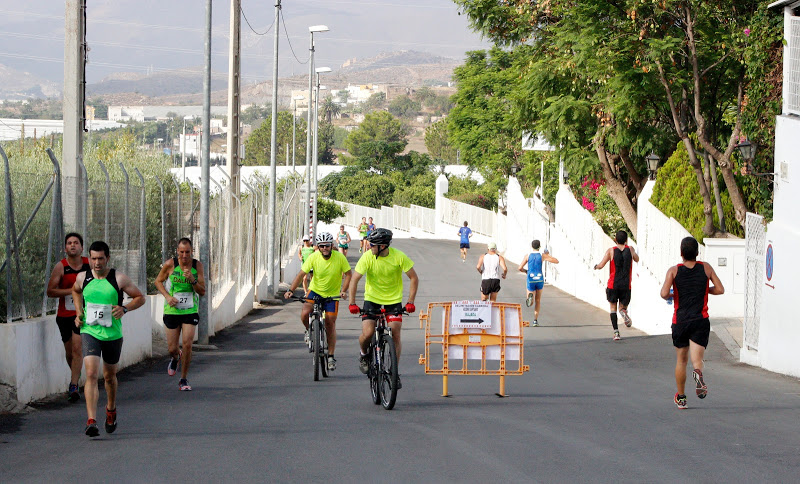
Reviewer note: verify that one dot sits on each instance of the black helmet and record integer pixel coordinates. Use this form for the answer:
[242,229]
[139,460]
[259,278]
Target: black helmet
[380,236]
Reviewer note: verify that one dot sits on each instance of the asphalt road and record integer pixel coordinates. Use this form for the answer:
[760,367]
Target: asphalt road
[590,409]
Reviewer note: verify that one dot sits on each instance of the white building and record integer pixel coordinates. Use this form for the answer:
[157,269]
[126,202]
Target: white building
[771,332]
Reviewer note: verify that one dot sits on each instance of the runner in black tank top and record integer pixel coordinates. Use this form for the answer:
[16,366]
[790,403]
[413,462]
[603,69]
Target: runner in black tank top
[618,289]
[690,326]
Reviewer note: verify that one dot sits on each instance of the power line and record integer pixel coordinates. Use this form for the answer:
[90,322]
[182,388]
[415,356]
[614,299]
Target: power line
[289,41]
[251,27]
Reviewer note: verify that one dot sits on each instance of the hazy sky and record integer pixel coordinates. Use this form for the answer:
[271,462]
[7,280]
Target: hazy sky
[138,35]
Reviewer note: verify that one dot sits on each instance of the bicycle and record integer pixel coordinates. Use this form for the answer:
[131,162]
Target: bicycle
[317,336]
[382,370]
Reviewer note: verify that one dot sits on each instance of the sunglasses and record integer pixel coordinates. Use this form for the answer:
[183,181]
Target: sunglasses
[324,246]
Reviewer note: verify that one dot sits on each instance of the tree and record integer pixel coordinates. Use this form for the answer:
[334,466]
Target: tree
[325,140]
[257,145]
[343,95]
[404,107]
[331,109]
[375,101]
[254,113]
[377,140]
[438,144]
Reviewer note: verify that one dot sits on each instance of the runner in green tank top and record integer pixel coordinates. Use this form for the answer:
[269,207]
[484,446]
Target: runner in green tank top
[98,295]
[181,281]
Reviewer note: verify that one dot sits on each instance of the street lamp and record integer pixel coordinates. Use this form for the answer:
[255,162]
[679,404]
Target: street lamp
[652,164]
[748,152]
[515,168]
[320,70]
[311,30]
[565,175]
[183,147]
[294,128]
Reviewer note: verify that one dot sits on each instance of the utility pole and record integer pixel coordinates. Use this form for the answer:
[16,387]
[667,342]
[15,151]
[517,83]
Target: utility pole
[234,105]
[205,173]
[74,100]
[271,217]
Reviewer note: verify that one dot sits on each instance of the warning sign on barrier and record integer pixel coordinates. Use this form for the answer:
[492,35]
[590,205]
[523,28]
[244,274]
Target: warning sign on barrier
[471,314]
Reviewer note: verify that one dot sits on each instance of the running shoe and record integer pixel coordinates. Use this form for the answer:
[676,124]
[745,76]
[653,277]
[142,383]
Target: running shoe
[111,421]
[91,428]
[535,322]
[399,383]
[183,385]
[529,300]
[73,394]
[626,317]
[617,337]
[363,363]
[331,363]
[174,363]
[702,389]
[680,401]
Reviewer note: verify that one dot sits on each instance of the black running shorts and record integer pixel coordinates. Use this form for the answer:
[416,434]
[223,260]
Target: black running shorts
[371,310]
[176,321]
[623,296]
[697,330]
[109,350]
[66,326]
[490,286]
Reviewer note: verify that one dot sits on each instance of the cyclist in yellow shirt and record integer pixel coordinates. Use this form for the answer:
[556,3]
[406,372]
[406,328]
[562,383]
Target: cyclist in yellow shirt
[329,266]
[383,267]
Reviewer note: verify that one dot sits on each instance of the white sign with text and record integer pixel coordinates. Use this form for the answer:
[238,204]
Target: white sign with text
[471,314]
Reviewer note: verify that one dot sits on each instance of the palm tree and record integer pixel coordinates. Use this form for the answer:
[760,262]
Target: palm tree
[330,108]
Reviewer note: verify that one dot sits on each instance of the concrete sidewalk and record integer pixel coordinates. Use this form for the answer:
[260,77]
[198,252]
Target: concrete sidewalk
[731,332]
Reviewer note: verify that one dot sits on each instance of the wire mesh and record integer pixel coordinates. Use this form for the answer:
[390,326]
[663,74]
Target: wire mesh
[755,241]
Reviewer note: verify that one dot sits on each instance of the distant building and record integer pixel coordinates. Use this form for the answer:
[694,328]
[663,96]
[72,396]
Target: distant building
[154,113]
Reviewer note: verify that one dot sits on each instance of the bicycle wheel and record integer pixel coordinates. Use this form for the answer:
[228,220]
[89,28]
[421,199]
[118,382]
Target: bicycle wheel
[373,373]
[315,348]
[387,381]
[323,350]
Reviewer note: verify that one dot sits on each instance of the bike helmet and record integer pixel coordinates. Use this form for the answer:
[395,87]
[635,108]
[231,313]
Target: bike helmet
[380,236]
[323,238]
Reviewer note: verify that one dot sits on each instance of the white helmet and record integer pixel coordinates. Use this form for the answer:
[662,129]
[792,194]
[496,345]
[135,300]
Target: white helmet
[323,238]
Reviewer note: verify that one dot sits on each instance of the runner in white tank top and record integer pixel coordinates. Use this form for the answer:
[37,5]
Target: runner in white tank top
[491,267]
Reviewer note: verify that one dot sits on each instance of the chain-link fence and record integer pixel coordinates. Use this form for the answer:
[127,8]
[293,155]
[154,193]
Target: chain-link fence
[142,222]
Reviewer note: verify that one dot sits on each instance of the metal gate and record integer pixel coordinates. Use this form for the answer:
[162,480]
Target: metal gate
[754,278]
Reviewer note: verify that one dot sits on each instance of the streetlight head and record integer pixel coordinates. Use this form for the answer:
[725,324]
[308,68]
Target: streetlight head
[652,164]
[318,28]
[188,118]
[320,70]
[323,88]
[747,150]
[515,169]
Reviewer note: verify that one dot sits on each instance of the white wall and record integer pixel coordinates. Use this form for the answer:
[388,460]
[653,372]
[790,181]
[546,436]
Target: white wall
[33,355]
[779,334]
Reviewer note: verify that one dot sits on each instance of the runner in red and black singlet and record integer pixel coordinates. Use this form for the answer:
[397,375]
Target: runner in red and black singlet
[618,289]
[60,285]
[690,326]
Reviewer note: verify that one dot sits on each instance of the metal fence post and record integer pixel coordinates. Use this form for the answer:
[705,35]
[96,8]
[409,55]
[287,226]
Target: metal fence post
[125,217]
[56,223]
[11,245]
[163,222]
[106,214]
[178,209]
[142,236]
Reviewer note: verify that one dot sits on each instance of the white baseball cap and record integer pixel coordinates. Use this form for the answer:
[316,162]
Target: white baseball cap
[306,237]
[491,246]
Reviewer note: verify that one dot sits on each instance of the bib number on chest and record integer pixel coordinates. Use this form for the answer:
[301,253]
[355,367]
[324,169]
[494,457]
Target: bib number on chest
[69,304]
[185,300]
[98,314]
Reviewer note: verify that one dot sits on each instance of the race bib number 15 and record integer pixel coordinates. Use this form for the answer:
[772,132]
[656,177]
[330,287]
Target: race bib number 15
[98,314]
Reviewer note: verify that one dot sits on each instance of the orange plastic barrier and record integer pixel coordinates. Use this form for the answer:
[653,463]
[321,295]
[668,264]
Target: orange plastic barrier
[468,345]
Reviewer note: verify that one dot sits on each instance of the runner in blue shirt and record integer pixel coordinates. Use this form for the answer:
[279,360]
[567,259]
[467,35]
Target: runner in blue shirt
[465,233]
[532,264]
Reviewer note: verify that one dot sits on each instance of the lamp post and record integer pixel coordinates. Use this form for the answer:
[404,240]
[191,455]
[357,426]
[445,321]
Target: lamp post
[294,129]
[183,145]
[311,30]
[319,71]
[748,152]
[652,164]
